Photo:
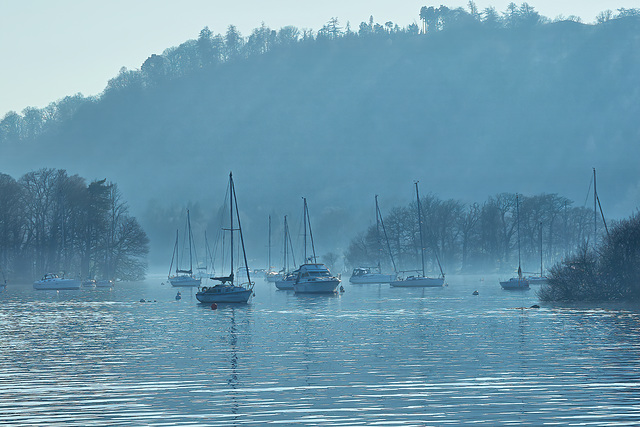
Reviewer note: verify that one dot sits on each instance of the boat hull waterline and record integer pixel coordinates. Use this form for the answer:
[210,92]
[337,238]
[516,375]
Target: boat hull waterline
[224,293]
[373,278]
[515,284]
[419,282]
[57,284]
[317,287]
[184,282]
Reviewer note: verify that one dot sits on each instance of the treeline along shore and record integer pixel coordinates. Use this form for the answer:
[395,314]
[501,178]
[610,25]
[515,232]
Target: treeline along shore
[51,222]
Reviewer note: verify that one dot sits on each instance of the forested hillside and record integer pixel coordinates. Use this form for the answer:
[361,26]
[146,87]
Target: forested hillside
[470,103]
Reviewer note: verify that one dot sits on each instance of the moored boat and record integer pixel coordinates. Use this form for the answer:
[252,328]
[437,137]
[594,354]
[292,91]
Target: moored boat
[365,275]
[518,283]
[52,281]
[184,278]
[418,282]
[286,282]
[315,279]
[421,280]
[515,284]
[227,291]
[285,279]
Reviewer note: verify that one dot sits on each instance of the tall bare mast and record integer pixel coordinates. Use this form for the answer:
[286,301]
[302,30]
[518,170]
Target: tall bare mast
[420,227]
[518,220]
[231,214]
[269,251]
[595,209]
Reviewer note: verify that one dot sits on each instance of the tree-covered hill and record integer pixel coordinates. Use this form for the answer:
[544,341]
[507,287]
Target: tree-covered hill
[471,105]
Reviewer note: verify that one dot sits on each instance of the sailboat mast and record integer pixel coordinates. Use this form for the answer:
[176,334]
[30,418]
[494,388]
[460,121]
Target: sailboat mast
[518,220]
[540,249]
[313,247]
[231,217]
[304,223]
[244,253]
[269,251]
[595,208]
[378,231]
[175,255]
[420,227]
[386,238]
[189,231]
[285,264]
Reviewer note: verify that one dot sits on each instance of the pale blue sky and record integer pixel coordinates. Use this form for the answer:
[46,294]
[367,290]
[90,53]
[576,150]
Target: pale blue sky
[54,48]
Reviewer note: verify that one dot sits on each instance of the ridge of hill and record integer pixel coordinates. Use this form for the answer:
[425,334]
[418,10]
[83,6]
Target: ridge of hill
[470,112]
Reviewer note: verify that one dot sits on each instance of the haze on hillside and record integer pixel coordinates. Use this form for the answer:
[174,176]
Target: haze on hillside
[478,105]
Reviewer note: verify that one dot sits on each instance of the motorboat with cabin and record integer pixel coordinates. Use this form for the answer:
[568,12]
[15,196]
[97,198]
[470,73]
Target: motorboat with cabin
[315,279]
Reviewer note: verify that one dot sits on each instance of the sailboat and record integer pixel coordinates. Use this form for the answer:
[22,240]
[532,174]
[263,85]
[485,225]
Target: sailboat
[420,280]
[55,282]
[204,272]
[227,290]
[286,278]
[183,278]
[518,283]
[313,277]
[374,274]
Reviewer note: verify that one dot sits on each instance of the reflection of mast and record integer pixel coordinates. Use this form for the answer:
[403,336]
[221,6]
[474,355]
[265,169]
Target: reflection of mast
[233,379]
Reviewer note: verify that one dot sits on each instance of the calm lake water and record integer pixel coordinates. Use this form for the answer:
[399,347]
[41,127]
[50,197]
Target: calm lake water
[374,355]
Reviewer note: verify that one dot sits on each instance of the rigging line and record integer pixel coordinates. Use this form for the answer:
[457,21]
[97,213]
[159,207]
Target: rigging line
[293,253]
[602,214]
[175,248]
[384,230]
[588,192]
[313,248]
[246,265]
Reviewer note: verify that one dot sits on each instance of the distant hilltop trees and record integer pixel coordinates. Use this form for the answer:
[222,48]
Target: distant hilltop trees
[471,102]
[51,222]
[210,50]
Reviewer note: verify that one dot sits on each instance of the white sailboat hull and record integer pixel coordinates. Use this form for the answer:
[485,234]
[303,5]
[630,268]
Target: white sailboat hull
[224,293]
[419,282]
[184,282]
[316,287]
[372,278]
[57,284]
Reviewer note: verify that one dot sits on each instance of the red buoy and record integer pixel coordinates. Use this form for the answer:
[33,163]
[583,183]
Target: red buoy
[214,306]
